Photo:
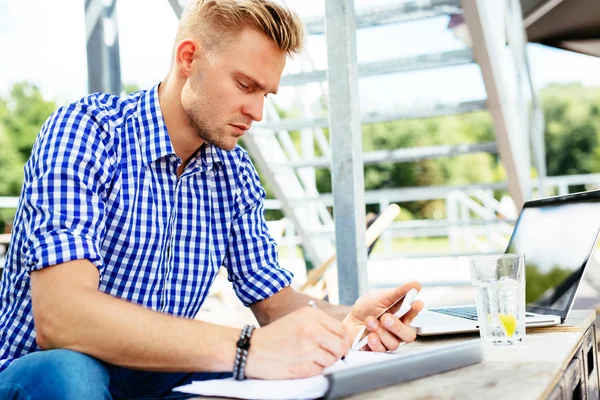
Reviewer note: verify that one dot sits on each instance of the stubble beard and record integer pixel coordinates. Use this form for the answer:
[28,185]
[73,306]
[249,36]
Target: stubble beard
[212,135]
[202,128]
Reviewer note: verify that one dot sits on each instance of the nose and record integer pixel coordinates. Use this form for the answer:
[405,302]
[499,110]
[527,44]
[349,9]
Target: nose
[254,108]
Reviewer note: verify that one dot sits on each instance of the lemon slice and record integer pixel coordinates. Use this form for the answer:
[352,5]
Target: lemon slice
[509,322]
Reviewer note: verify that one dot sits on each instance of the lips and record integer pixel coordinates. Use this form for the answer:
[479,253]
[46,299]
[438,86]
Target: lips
[240,129]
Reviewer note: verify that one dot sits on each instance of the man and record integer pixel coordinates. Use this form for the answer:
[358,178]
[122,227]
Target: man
[130,206]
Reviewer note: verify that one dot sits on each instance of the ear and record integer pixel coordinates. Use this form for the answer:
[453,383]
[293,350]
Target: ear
[185,54]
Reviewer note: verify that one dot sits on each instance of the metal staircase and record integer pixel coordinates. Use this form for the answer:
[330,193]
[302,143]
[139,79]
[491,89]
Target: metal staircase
[292,173]
[496,43]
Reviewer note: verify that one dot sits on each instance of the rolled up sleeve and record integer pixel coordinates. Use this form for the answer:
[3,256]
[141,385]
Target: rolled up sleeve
[66,180]
[252,253]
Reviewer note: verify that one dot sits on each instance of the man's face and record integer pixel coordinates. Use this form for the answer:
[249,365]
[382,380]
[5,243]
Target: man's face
[226,91]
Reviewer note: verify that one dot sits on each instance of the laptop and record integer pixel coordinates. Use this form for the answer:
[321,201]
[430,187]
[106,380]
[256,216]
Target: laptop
[557,235]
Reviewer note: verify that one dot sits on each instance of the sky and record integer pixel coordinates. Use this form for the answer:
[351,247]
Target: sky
[43,42]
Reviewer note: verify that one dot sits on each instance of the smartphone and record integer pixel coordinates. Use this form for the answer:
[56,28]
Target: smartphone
[404,308]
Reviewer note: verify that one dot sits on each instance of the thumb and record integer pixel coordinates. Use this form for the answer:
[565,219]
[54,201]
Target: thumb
[391,295]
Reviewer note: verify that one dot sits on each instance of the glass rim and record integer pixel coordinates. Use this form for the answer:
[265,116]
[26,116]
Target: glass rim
[496,256]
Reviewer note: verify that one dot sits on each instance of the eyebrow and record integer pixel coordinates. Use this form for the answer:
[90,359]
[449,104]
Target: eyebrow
[256,83]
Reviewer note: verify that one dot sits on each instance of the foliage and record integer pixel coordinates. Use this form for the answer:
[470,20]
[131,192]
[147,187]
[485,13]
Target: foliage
[11,177]
[22,115]
[572,142]
[453,130]
[572,115]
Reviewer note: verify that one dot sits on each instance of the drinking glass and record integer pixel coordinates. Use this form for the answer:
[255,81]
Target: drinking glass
[499,282]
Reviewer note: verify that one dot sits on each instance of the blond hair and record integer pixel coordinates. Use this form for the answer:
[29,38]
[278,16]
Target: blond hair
[215,22]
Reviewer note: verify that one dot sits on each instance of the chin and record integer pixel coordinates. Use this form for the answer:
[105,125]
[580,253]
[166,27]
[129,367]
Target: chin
[227,146]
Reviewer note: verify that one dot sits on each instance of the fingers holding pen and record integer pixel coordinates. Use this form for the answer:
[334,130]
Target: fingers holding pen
[335,345]
[337,328]
[298,345]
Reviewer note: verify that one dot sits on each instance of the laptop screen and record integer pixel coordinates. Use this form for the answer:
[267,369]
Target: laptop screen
[557,236]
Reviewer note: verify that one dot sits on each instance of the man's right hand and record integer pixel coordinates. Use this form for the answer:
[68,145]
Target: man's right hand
[299,345]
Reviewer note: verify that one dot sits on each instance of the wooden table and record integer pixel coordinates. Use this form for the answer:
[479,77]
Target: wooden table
[554,363]
[547,365]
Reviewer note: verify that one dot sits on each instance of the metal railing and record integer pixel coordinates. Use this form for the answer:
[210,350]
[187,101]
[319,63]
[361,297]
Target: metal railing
[474,222]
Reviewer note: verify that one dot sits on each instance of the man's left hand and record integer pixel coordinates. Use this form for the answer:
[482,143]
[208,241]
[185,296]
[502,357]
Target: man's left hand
[391,331]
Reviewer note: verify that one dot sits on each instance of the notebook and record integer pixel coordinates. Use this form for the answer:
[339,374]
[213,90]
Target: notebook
[361,371]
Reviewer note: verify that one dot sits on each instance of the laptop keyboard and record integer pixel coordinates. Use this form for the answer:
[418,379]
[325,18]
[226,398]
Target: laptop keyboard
[464,312]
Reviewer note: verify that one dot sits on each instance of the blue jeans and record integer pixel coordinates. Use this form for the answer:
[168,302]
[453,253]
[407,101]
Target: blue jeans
[66,374]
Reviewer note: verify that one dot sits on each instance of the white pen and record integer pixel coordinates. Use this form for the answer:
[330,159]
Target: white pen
[314,305]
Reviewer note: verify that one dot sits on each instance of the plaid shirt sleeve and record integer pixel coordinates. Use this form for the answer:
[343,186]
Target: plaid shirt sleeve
[252,254]
[65,180]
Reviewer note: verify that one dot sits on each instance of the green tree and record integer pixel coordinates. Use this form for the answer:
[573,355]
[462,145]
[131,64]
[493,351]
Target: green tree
[572,117]
[22,114]
[460,129]
[572,127]
[11,177]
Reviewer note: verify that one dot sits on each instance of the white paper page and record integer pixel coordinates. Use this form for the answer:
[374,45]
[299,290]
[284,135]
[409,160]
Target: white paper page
[357,358]
[309,388]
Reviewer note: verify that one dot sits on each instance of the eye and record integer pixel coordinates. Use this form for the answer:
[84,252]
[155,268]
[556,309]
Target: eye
[245,87]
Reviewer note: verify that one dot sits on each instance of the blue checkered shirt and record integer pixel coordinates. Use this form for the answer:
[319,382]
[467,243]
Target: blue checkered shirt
[101,185]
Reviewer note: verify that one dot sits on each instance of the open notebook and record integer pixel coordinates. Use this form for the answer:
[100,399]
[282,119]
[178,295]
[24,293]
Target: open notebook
[362,371]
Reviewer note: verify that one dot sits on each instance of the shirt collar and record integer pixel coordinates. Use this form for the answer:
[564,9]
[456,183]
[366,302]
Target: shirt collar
[211,156]
[153,135]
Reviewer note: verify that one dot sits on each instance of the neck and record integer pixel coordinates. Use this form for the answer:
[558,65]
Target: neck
[184,139]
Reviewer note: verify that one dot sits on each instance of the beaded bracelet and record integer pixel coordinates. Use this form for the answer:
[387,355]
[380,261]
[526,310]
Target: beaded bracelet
[241,356]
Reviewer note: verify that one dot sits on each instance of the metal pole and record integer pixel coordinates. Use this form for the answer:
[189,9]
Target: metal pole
[347,165]
[103,59]
[177,8]
[485,21]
